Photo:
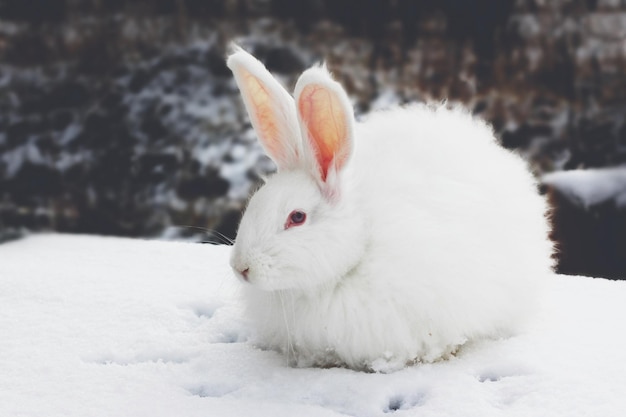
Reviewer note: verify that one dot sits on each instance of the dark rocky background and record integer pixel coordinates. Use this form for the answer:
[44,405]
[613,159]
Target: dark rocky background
[119,117]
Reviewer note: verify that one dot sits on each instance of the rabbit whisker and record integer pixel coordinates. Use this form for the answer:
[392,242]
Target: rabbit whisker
[290,348]
[224,238]
[220,236]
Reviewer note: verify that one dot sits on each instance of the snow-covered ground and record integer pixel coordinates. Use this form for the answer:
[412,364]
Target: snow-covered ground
[94,326]
[589,187]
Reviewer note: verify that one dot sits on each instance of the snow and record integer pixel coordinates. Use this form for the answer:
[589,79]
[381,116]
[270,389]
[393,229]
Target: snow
[592,186]
[118,327]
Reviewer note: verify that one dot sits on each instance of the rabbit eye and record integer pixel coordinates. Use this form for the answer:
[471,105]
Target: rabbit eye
[296,218]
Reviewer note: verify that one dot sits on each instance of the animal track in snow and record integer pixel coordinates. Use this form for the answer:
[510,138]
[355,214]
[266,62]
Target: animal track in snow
[209,318]
[490,377]
[203,310]
[211,390]
[498,373]
[230,337]
[141,358]
[404,402]
[504,385]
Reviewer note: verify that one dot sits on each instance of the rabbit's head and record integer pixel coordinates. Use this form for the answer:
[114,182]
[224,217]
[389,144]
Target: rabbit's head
[299,229]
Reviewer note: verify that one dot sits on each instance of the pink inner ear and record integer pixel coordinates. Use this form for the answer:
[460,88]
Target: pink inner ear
[322,112]
[264,116]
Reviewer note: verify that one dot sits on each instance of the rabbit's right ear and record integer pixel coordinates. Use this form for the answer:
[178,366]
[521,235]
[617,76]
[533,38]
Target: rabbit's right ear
[271,109]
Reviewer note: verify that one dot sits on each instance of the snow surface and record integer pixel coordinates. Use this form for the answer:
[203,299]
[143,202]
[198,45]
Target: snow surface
[95,326]
[591,186]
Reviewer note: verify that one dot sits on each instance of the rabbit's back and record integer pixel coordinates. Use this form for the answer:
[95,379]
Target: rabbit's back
[426,146]
[422,169]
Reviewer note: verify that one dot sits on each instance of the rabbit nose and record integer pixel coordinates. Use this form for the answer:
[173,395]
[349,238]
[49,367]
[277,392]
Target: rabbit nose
[243,273]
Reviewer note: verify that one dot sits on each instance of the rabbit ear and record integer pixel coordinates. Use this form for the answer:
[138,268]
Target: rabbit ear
[326,120]
[270,107]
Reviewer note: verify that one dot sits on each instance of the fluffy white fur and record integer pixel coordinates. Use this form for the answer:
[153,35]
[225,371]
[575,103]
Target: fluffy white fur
[437,237]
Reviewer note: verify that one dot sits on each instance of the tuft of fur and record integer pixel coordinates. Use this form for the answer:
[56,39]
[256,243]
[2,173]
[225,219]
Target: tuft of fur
[434,236]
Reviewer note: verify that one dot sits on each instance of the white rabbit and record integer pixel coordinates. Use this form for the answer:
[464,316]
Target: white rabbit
[383,243]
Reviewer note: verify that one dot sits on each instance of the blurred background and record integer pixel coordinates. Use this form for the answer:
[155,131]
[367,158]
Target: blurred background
[119,117]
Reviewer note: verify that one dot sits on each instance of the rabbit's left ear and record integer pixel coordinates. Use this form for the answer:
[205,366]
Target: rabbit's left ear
[326,121]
